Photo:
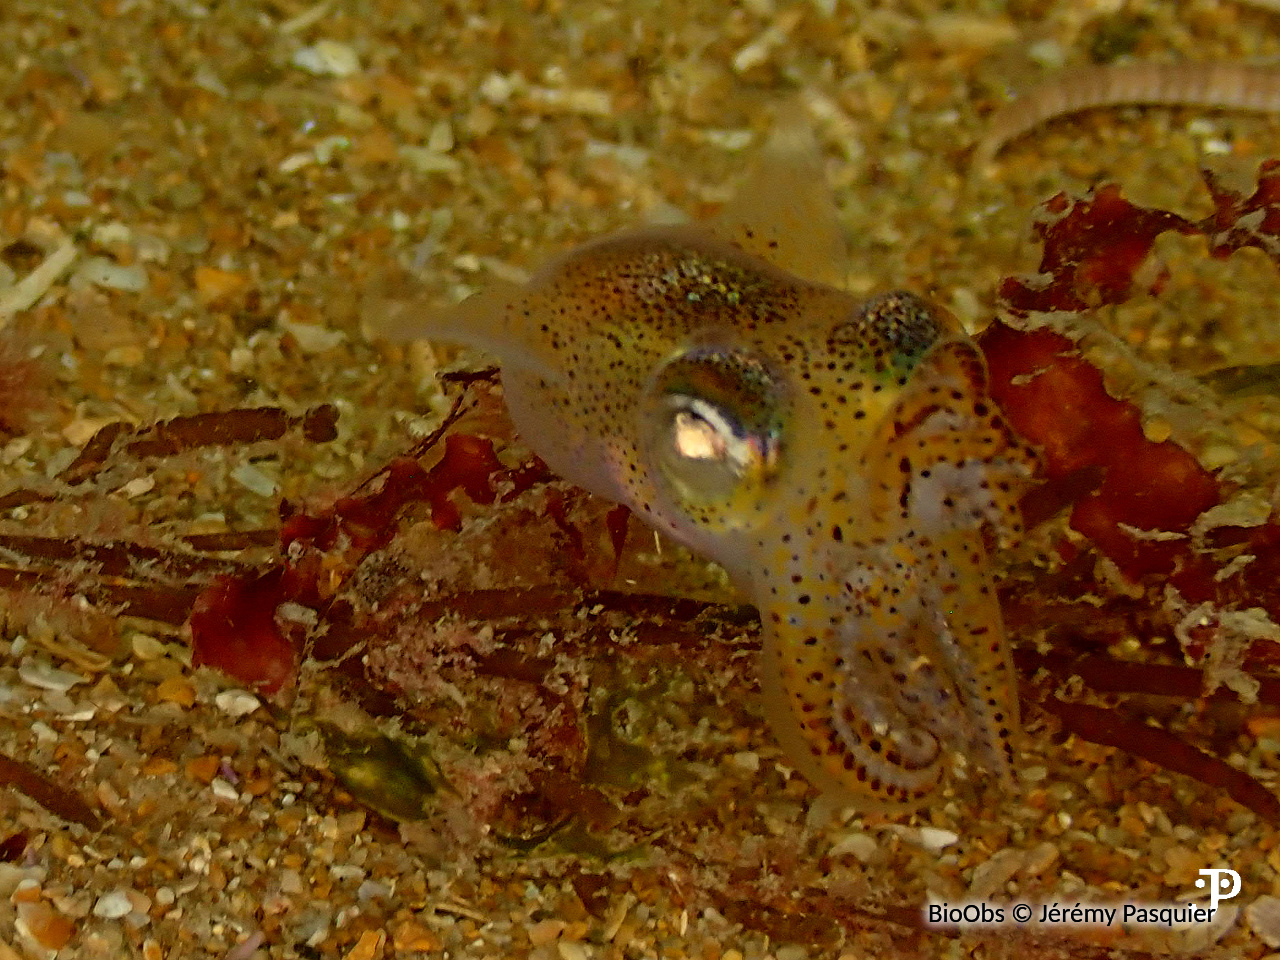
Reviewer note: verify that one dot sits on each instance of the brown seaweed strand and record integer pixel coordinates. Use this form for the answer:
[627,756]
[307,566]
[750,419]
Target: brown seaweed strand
[58,800]
[151,601]
[95,453]
[116,558]
[248,425]
[232,539]
[318,425]
[1104,674]
[1213,85]
[1162,748]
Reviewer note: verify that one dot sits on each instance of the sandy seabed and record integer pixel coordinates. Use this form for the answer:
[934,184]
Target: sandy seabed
[202,204]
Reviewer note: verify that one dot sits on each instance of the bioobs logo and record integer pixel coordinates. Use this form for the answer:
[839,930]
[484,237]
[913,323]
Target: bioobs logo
[1220,883]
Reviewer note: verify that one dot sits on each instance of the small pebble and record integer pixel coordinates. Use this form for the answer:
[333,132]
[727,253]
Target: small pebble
[1264,918]
[862,846]
[39,673]
[958,31]
[110,234]
[254,480]
[990,876]
[328,58]
[104,272]
[213,283]
[312,338]
[373,890]
[545,931]
[1040,858]
[43,924]
[146,647]
[368,947]
[113,905]
[237,703]
[137,487]
[935,839]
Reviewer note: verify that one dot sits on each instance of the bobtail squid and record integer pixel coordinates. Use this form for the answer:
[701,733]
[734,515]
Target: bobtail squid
[839,457]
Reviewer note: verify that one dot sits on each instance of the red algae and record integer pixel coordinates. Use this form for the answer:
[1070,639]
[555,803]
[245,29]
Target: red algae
[1096,456]
[1092,246]
[1057,400]
[1238,221]
[234,629]
[234,623]
[1134,500]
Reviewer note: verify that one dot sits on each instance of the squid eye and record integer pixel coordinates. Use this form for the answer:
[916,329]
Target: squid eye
[714,428]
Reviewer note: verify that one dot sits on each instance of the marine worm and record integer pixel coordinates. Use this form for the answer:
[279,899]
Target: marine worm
[1210,84]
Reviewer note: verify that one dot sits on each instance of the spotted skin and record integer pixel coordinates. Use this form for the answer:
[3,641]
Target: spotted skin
[838,457]
[905,654]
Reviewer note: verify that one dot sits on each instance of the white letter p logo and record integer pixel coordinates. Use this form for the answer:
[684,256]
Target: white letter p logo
[1218,884]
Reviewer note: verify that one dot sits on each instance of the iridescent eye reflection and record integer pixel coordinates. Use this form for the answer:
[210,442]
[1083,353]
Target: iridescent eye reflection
[717,426]
[699,432]
[713,440]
